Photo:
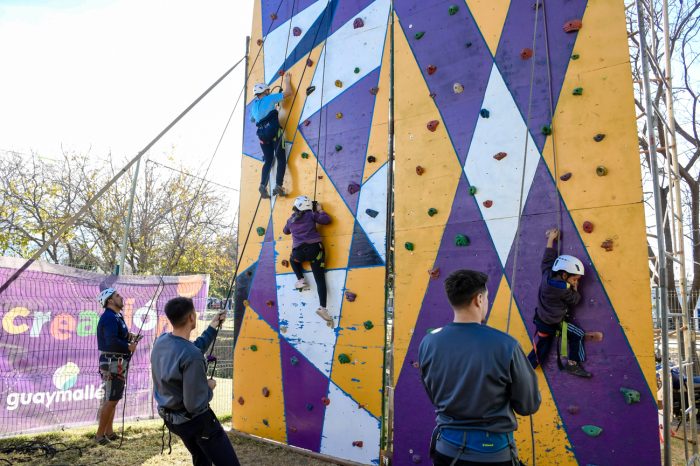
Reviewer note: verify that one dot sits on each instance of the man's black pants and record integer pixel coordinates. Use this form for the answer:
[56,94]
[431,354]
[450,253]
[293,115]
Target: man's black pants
[206,440]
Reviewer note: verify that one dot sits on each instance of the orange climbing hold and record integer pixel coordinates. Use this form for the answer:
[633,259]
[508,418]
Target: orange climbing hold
[500,156]
[573,25]
[270,303]
[338,83]
[420,170]
[273,16]
[526,53]
[432,125]
[434,273]
[432,69]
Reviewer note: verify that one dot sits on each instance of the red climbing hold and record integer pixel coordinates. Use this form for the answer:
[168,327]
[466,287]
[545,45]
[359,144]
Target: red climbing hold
[353,188]
[350,296]
[270,303]
[432,125]
[420,170]
[241,400]
[309,62]
[432,69]
[500,156]
[588,227]
[573,25]
[296,31]
[607,245]
[285,263]
[415,364]
[325,401]
[281,72]
[526,53]
[358,23]
[566,176]
[374,90]
[357,443]
[488,203]
[434,273]
[307,122]
[360,406]
[265,392]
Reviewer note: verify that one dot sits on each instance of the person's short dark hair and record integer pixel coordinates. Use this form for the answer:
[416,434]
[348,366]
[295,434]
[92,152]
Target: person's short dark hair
[177,310]
[463,285]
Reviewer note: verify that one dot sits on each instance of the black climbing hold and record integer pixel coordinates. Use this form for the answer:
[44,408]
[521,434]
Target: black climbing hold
[452,10]
[353,188]
[419,35]
[462,240]
[547,130]
[566,176]
[296,31]
[577,91]
[358,23]
[266,422]
[368,325]
[631,395]
[260,231]
[468,44]
[372,213]
[371,158]
[598,137]
[432,211]
[343,358]
[310,90]
[338,147]
[409,246]
[304,155]
[472,190]
[591,431]
[484,113]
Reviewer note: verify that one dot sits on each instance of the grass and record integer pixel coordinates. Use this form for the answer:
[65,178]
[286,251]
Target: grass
[141,446]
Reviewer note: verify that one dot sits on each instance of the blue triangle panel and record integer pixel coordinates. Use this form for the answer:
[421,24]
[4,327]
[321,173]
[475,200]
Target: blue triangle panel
[362,252]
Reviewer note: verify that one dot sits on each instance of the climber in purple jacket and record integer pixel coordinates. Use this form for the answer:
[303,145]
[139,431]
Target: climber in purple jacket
[307,246]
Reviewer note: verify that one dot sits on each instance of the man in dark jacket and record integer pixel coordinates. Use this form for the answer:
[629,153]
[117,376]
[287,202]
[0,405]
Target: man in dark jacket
[475,376]
[115,344]
[181,387]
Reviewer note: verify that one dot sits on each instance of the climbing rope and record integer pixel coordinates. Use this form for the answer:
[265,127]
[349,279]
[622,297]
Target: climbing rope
[320,114]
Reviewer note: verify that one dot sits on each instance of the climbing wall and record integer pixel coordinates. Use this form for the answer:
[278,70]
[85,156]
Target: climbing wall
[296,380]
[485,122]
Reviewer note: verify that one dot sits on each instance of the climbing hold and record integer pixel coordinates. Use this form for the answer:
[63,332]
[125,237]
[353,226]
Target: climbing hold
[432,95]
[577,91]
[547,130]
[593,336]
[296,31]
[304,155]
[358,23]
[573,409]
[432,125]
[356,70]
[260,231]
[432,211]
[350,296]
[566,176]
[591,431]
[338,83]
[374,90]
[452,10]
[434,273]
[307,122]
[294,360]
[488,203]
[526,53]
[338,147]
[573,25]
[273,16]
[420,170]
[600,170]
[631,395]
[409,246]
[457,88]
[241,401]
[419,35]
[338,115]
[598,137]
[484,113]
[371,158]
[468,44]
[259,41]
[416,459]
[607,245]
[587,227]
[309,62]
[265,392]
[353,188]
[326,401]
[266,422]
[292,429]
[415,364]
[575,56]
[281,72]
[500,156]
[253,348]
[310,90]
[270,303]
[283,329]
[343,358]
[372,213]
[462,240]
[309,407]
[472,189]
[368,325]
[357,443]
[432,69]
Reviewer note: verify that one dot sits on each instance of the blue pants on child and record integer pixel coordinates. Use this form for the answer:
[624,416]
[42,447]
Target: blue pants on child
[546,336]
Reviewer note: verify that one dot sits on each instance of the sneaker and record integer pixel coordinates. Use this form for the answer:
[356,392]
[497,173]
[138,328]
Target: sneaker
[301,284]
[113,437]
[263,192]
[577,370]
[323,313]
[278,191]
[102,440]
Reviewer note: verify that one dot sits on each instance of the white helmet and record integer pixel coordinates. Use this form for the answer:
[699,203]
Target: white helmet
[105,295]
[568,264]
[302,203]
[259,88]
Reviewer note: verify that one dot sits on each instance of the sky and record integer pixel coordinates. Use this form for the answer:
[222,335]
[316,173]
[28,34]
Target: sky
[106,76]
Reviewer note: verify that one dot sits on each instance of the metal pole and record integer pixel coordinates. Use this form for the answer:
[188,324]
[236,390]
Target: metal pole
[119,268]
[661,246]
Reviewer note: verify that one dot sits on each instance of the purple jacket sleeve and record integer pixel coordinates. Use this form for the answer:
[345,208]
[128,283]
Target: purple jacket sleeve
[550,255]
[286,229]
[322,218]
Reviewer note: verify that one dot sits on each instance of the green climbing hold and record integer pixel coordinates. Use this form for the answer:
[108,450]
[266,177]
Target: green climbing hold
[338,147]
[472,190]
[253,348]
[578,91]
[357,70]
[631,395]
[575,56]
[462,240]
[294,360]
[304,155]
[368,325]
[453,10]
[591,431]
[260,231]
[419,35]
[343,358]
[432,211]
[547,130]
[409,246]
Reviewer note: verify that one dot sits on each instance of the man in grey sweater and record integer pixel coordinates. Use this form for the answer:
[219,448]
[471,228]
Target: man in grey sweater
[475,376]
[182,390]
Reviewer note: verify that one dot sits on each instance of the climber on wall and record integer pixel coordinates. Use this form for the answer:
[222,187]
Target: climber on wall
[264,112]
[557,295]
[307,246]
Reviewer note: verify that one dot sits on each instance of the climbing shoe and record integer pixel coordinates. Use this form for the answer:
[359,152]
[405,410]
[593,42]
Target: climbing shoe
[323,313]
[278,191]
[263,192]
[301,284]
[577,370]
